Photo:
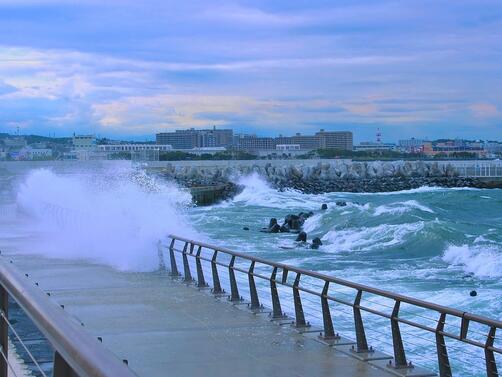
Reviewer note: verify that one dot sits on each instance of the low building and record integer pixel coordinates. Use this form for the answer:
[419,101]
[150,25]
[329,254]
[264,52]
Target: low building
[451,148]
[84,142]
[39,153]
[369,146]
[411,145]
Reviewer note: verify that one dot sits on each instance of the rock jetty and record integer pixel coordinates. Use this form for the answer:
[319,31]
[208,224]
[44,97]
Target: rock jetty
[318,176]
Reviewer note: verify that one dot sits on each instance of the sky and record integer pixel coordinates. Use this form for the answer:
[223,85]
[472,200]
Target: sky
[128,68]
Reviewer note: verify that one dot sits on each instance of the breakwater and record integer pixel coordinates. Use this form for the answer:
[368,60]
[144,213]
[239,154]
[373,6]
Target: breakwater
[317,176]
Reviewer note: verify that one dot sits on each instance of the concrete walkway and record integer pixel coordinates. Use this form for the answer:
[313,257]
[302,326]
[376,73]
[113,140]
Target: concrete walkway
[165,328]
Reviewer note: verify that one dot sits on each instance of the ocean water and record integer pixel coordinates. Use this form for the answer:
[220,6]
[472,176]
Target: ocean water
[430,243]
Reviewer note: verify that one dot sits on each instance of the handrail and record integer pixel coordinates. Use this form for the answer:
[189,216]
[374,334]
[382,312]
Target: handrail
[77,353]
[350,284]
[361,344]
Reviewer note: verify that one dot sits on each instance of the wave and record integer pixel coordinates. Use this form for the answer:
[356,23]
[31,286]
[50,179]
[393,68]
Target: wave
[257,192]
[112,217]
[369,238]
[401,207]
[484,261]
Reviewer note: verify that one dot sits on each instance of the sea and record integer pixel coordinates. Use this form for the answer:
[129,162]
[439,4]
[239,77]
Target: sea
[431,243]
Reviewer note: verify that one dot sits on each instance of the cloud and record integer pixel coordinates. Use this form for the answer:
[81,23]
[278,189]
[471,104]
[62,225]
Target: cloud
[128,67]
[484,110]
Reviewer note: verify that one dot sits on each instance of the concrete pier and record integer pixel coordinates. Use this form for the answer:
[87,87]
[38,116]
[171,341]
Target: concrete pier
[164,327]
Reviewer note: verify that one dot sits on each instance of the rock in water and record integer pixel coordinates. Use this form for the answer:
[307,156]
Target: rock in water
[302,237]
[284,228]
[324,207]
[341,203]
[275,228]
[473,293]
[316,242]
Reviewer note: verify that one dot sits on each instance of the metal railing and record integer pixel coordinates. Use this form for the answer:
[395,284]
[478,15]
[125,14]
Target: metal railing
[213,260]
[76,353]
[478,169]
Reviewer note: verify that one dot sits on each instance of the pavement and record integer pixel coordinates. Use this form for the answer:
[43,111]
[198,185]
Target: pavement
[163,327]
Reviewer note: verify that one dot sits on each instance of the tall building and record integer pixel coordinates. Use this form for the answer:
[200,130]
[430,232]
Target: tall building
[255,143]
[192,138]
[325,140]
[335,140]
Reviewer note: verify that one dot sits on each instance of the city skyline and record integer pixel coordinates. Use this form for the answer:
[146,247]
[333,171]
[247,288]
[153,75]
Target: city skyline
[129,70]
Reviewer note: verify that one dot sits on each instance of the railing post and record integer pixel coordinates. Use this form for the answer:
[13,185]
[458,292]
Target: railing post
[397,341]
[443,360]
[4,331]
[362,343]
[299,315]
[276,303]
[186,267]
[201,282]
[216,278]
[491,364]
[329,331]
[234,290]
[162,264]
[464,328]
[255,301]
[61,367]
[174,267]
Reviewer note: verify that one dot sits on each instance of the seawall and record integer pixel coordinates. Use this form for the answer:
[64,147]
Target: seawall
[337,175]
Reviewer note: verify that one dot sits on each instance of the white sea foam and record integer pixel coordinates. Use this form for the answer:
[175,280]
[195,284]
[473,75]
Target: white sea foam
[483,261]
[401,207]
[367,238]
[114,218]
[257,192]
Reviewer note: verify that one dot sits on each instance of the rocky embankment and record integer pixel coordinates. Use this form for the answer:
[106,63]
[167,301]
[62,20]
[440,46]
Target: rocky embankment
[325,176]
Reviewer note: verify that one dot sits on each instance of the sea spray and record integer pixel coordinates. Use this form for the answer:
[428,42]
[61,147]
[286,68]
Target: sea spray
[112,217]
[483,261]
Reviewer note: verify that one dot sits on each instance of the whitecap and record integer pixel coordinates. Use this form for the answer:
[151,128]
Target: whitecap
[368,238]
[400,208]
[484,261]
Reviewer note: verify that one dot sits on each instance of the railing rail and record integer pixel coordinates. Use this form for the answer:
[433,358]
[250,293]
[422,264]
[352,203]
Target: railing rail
[77,353]
[211,254]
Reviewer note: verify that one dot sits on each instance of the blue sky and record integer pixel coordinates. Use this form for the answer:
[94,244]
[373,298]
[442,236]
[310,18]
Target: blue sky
[423,68]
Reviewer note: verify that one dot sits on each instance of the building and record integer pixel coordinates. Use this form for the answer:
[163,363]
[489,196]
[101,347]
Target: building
[321,140]
[287,147]
[37,153]
[493,148]
[192,138]
[370,146]
[118,148]
[306,142]
[255,143]
[451,148]
[342,140]
[84,142]
[411,145]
